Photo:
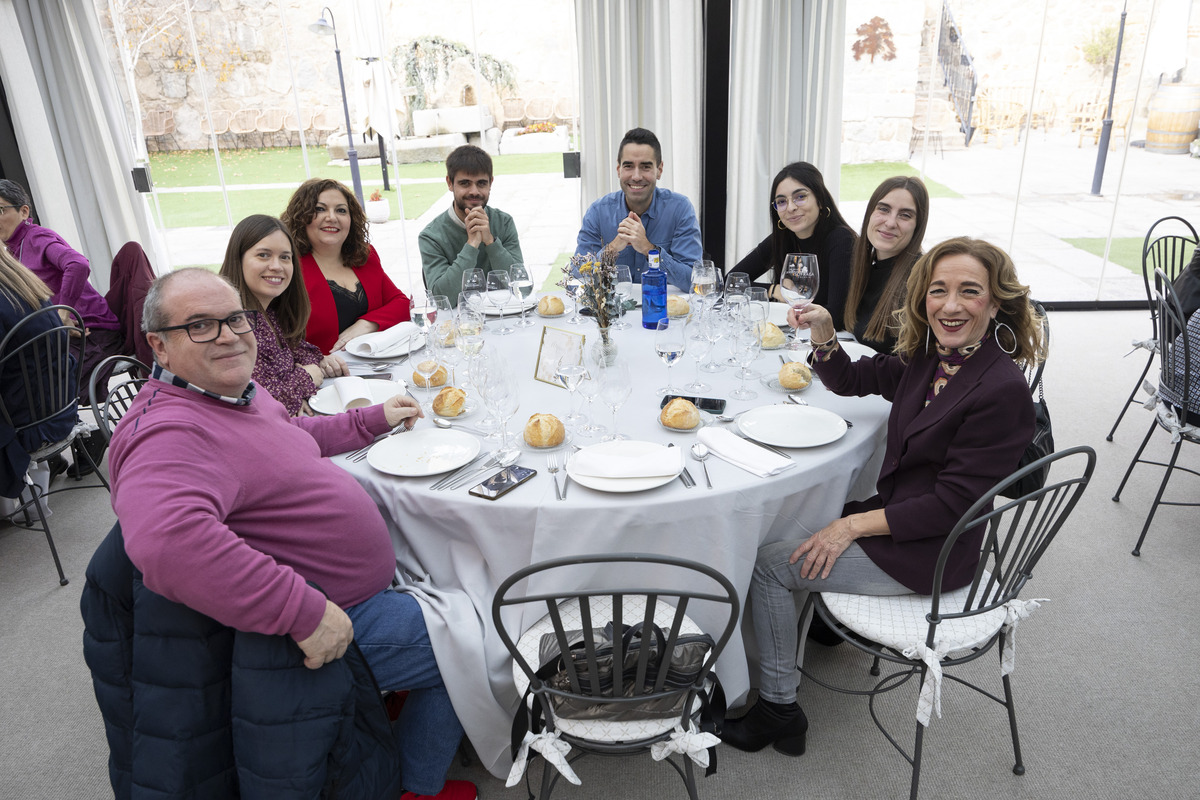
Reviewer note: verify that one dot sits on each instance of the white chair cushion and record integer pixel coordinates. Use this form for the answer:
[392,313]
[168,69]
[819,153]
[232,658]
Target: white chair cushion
[899,621]
[529,645]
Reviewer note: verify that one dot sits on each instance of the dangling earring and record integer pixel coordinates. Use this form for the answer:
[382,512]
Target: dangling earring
[779,224]
[927,329]
[826,211]
[1011,333]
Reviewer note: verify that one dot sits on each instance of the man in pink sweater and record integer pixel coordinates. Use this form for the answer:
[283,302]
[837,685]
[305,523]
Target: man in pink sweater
[229,506]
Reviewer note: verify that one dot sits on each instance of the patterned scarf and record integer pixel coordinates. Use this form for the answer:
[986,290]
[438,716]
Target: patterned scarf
[950,361]
[166,376]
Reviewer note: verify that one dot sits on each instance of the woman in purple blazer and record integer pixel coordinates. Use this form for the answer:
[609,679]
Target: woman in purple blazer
[961,417]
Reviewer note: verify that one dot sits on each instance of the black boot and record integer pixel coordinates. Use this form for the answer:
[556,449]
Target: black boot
[783,725]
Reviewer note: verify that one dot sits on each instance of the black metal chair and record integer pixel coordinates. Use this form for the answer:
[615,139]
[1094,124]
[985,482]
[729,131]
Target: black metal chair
[1177,394]
[928,635]
[557,601]
[50,377]
[1169,253]
[109,403]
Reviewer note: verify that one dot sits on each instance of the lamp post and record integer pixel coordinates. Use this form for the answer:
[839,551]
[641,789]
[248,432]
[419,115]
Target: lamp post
[1106,125]
[326,28]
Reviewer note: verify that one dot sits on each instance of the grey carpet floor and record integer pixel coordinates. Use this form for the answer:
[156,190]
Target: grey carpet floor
[1107,682]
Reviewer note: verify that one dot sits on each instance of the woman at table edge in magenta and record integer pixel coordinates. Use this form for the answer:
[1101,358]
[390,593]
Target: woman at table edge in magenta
[347,287]
[961,417]
[260,264]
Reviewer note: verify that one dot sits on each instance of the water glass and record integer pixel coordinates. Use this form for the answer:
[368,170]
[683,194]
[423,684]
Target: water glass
[522,288]
[745,349]
[615,387]
[623,286]
[499,293]
[670,342]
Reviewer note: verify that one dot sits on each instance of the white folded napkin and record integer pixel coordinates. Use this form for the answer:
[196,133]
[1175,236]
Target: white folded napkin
[352,392]
[760,461]
[382,343]
[628,460]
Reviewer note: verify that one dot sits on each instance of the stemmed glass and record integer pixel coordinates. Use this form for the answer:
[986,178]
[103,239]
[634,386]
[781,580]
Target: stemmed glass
[745,347]
[501,394]
[736,283]
[473,280]
[588,388]
[522,287]
[426,367]
[713,330]
[499,293]
[670,341]
[422,311]
[734,312]
[571,376]
[574,285]
[704,278]
[699,346]
[615,387]
[445,339]
[801,279]
[470,343]
[623,286]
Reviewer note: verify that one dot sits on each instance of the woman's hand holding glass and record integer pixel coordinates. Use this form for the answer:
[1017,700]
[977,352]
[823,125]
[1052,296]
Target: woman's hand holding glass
[815,319]
[801,279]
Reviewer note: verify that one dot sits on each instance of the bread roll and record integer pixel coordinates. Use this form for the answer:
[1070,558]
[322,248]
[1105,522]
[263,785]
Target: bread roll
[677,305]
[680,414]
[449,402]
[795,375]
[769,335]
[438,378]
[544,430]
[550,306]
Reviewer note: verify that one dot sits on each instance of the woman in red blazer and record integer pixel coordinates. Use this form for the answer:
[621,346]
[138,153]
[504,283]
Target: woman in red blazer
[347,287]
[961,417]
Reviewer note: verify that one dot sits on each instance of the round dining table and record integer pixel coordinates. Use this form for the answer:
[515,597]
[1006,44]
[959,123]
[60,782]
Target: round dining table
[453,549]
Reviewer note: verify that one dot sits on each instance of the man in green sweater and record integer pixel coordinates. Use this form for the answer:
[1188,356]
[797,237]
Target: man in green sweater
[470,234]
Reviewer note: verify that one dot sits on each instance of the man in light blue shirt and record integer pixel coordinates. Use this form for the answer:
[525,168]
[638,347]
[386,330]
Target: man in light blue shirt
[641,217]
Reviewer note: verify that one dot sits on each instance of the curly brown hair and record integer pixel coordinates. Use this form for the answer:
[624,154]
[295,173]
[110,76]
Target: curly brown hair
[302,209]
[1016,307]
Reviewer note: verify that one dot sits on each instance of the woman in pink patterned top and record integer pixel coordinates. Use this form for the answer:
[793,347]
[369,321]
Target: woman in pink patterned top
[260,263]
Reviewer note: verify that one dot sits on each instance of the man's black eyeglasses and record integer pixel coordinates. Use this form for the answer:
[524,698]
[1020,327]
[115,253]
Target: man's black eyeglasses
[202,331]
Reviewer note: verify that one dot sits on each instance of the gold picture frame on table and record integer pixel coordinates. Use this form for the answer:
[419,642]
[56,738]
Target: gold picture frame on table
[556,347]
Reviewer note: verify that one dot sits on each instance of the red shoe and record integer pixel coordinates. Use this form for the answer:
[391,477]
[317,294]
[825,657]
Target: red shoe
[453,790]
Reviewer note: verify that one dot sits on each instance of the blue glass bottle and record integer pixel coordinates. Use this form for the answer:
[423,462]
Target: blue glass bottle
[654,292]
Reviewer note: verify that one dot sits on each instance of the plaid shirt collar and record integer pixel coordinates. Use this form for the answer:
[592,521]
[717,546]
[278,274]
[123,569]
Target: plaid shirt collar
[166,376]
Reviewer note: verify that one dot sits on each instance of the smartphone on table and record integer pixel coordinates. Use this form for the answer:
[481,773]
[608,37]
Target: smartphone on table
[503,482]
[713,405]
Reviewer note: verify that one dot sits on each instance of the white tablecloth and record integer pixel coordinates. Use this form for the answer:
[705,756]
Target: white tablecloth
[456,549]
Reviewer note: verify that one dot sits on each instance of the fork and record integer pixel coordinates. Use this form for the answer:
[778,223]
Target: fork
[361,453]
[552,468]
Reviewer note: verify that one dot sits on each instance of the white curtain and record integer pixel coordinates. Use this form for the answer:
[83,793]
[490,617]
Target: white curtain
[640,66]
[785,104]
[72,129]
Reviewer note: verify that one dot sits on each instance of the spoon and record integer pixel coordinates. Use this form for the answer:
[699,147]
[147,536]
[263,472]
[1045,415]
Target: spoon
[500,460]
[446,425]
[700,452]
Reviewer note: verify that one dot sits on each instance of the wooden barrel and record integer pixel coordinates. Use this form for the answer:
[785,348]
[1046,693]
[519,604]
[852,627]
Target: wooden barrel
[1174,118]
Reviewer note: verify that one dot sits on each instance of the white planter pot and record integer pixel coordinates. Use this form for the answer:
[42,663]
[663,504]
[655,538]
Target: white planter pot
[378,210]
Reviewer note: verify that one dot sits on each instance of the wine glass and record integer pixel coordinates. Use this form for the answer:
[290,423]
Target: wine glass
[522,287]
[445,339]
[713,330]
[759,299]
[574,285]
[502,395]
[473,280]
[801,279]
[422,311]
[471,300]
[704,278]
[588,388]
[498,294]
[734,313]
[572,374]
[745,347]
[615,387]
[670,342]
[623,286]
[736,283]
[426,367]
[479,375]
[698,346]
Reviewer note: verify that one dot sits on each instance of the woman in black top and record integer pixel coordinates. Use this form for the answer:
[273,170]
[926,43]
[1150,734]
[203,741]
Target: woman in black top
[887,247]
[805,219]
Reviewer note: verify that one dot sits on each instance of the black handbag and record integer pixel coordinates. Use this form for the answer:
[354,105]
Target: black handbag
[1040,446]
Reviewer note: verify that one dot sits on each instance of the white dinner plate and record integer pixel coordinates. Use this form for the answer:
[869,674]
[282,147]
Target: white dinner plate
[792,425]
[510,308]
[427,451]
[326,400]
[618,484]
[400,348]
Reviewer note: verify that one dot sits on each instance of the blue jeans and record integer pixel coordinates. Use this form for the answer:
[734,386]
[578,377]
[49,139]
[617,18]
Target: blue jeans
[390,629]
[774,609]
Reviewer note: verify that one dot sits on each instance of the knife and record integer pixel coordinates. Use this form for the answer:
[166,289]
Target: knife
[458,473]
[685,477]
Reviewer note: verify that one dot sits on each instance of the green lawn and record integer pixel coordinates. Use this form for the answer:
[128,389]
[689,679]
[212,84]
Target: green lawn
[196,209]
[859,180]
[1127,252]
[182,168]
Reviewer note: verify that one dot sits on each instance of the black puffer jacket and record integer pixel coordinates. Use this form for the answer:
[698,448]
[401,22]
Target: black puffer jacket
[193,709]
